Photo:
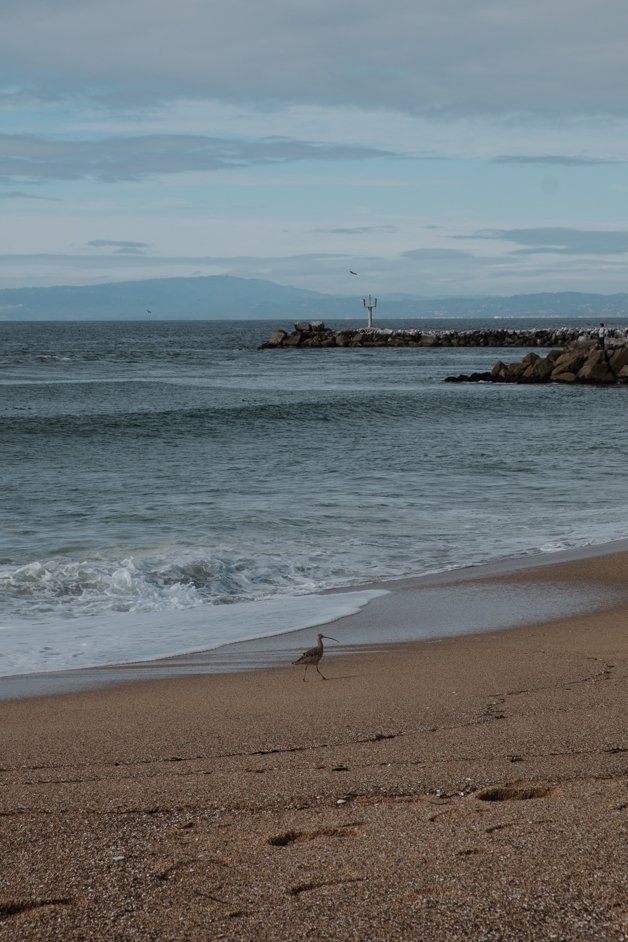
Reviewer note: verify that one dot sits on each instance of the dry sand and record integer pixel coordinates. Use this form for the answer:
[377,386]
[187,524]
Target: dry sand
[466,789]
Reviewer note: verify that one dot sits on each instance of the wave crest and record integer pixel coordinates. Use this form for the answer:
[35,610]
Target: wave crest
[147,585]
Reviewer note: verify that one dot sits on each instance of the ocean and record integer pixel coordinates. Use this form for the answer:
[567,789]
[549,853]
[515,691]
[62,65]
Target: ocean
[167,487]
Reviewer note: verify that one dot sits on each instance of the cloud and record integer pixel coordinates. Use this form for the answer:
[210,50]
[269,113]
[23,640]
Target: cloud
[357,230]
[560,241]
[249,263]
[544,56]
[436,254]
[21,195]
[120,247]
[553,159]
[24,156]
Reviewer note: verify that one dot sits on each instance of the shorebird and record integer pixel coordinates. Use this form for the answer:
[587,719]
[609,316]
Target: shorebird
[313,655]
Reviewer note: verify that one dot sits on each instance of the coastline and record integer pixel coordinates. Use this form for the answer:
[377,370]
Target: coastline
[446,789]
[472,600]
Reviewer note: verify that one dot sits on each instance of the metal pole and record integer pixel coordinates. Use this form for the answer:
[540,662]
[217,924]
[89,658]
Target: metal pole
[369,303]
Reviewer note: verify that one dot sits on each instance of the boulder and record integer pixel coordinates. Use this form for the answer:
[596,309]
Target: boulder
[539,371]
[618,359]
[480,377]
[570,361]
[595,369]
[473,378]
[580,364]
[499,371]
[515,371]
[554,355]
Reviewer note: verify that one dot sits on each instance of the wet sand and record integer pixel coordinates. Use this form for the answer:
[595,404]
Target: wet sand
[465,788]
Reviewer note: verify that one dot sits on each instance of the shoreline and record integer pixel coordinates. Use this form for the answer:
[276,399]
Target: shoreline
[455,788]
[452,595]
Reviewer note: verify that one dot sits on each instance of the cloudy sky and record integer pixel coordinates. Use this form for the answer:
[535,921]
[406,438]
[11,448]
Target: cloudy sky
[436,147]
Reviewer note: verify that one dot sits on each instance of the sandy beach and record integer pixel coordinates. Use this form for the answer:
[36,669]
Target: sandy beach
[467,788]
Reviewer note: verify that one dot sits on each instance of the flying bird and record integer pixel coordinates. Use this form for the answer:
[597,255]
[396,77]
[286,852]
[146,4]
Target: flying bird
[312,656]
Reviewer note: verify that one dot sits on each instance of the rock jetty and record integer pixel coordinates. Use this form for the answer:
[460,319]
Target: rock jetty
[578,362]
[316,334]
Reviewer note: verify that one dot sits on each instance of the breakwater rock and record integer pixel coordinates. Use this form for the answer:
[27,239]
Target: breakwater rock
[316,334]
[578,362]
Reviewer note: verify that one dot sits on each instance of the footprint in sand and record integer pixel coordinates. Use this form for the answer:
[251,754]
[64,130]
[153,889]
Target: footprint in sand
[508,792]
[300,837]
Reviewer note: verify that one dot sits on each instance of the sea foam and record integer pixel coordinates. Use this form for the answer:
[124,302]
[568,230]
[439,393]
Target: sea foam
[144,636]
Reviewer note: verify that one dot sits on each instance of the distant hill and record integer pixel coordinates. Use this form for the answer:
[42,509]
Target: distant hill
[222,297]
[213,297]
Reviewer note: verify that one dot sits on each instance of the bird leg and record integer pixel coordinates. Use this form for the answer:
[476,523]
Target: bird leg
[305,671]
[322,675]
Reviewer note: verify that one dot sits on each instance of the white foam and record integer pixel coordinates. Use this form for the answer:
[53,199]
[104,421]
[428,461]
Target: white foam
[554,546]
[29,647]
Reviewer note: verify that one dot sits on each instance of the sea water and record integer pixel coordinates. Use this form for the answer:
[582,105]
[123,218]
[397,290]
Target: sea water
[169,487]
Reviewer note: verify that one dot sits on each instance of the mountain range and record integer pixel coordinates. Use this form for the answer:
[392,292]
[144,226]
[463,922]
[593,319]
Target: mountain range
[223,297]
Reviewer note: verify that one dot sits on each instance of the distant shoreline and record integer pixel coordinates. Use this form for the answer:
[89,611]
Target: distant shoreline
[225,297]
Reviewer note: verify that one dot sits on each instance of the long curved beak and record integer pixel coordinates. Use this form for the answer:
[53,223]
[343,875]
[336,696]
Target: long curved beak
[327,638]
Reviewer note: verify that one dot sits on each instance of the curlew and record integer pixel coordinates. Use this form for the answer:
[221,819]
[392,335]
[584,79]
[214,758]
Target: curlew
[313,655]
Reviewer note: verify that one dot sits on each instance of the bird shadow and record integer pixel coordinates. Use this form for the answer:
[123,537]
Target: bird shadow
[337,677]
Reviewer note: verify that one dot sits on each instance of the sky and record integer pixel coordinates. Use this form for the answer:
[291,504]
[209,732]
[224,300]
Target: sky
[435,147]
